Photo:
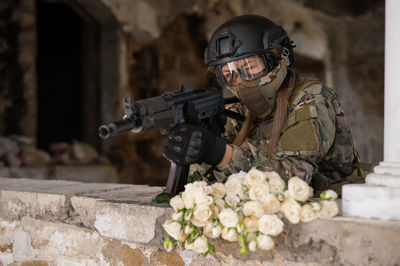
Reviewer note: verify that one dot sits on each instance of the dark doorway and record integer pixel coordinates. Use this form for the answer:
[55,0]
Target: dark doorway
[59,73]
[67,71]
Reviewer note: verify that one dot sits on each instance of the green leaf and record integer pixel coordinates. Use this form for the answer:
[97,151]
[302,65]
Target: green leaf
[190,239]
[196,176]
[324,197]
[211,249]
[204,253]
[195,233]
[188,215]
[181,244]
[161,198]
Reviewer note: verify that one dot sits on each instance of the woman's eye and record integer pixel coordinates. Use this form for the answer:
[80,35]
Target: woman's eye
[228,76]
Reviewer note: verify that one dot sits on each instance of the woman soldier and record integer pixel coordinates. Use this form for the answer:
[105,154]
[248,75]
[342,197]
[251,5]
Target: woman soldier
[293,126]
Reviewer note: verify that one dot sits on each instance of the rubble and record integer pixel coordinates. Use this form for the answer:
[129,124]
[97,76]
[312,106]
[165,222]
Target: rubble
[83,153]
[17,151]
[32,157]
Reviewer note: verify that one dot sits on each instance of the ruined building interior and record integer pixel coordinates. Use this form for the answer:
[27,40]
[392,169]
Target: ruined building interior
[66,65]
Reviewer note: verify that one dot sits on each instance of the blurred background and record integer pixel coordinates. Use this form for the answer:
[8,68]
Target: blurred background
[66,65]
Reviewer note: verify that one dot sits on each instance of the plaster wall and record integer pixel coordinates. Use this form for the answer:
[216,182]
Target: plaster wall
[153,46]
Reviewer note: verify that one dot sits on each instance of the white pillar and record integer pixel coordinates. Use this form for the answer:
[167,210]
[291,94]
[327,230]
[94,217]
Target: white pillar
[380,196]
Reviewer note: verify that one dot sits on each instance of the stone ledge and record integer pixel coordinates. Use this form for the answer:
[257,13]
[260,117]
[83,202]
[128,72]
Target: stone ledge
[92,205]
[111,224]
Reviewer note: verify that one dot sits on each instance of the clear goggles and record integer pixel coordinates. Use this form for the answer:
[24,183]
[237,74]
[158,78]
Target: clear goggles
[248,68]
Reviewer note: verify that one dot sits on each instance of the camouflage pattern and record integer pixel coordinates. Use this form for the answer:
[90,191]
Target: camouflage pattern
[316,143]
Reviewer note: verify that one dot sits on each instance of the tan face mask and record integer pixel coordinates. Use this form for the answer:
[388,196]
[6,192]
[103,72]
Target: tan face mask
[259,95]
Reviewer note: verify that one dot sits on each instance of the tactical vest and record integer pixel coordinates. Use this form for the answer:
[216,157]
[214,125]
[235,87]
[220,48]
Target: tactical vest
[359,168]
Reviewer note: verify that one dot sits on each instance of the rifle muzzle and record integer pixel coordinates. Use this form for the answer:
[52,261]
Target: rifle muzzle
[105,131]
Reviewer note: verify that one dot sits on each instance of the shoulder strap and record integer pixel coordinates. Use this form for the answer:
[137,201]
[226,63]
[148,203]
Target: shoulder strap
[300,88]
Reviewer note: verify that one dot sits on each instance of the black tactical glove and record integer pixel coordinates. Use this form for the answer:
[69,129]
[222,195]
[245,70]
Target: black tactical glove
[217,124]
[189,144]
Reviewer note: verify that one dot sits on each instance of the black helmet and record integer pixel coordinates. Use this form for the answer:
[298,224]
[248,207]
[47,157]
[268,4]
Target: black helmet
[244,36]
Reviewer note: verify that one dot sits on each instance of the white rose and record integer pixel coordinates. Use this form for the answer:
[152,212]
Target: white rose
[316,205]
[232,200]
[217,206]
[209,190]
[188,200]
[254,178]
[270,204]
[200,245]
[201,215]
[253,208]
[328,210]
[212,231]
[219,190]
[198,190]
[177,203]
[228,217]
[174,229]
[251,224]
[307,214]
[253,245]
[177,216]
[188,230]
[188,245]
[329,195]
[229,234]
[206,201]
[270,224]
[299,189]
[265,242]
[291,210]
[280,196]
[275,183]
[258,192]
[234,184]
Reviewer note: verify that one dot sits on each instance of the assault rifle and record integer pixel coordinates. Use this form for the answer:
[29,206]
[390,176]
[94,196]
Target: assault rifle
[168,110]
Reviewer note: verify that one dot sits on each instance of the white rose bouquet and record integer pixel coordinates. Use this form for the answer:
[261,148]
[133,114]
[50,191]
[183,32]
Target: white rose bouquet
[247,208]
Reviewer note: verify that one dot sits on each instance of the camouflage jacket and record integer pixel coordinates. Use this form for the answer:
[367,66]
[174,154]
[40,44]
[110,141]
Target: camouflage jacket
[316,143]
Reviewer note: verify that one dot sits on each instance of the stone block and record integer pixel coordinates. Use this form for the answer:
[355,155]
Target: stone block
[85,209]
[51,206]
[127,222]
[68,261]
[139,194]
[22,247]
[32,157]
[118,253]
[6,258]
[15,204]
[162,257]
[7,234]
[51,240]
[83,152]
